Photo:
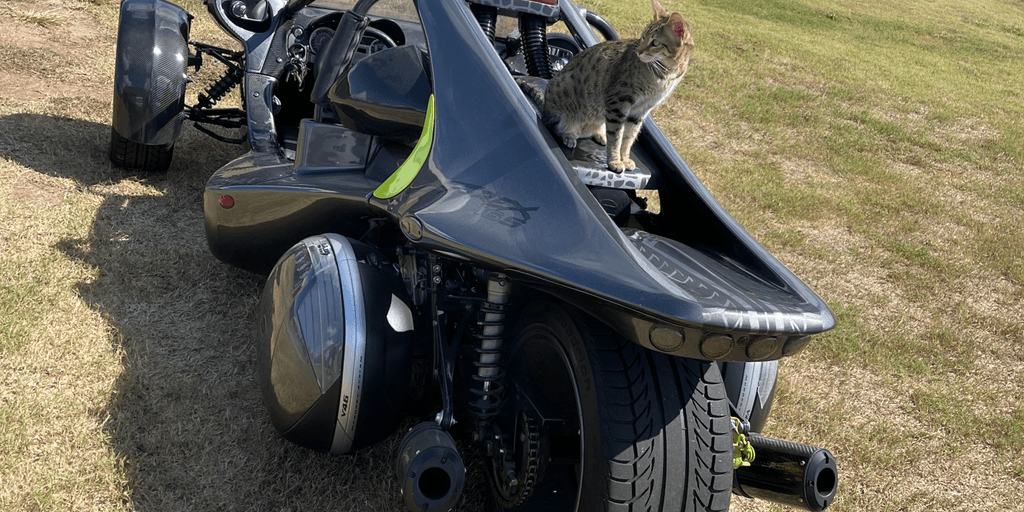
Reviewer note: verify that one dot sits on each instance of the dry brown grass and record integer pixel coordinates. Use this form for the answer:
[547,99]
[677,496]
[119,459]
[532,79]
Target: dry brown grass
[126,357]
[880,172]
[126,379]
[125,348]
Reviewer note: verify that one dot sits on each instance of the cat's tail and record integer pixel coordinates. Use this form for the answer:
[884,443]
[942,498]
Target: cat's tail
[534,89]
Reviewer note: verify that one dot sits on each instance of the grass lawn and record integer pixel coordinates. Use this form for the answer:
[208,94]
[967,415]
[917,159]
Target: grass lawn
[876,148]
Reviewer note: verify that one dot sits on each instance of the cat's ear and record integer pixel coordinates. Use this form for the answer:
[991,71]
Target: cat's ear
[659,11]
[679,25]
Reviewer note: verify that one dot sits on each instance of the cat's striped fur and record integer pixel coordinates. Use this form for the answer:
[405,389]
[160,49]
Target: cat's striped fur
[607,90]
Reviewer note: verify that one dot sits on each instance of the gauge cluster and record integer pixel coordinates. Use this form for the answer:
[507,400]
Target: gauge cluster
[319,38]
[313,29]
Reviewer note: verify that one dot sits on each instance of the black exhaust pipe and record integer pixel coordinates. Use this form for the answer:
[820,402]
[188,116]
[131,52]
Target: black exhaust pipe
[429,469]
[792,474]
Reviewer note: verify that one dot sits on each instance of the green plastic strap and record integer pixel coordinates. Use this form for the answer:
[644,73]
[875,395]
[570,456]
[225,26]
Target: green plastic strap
[742,451]
[406,172]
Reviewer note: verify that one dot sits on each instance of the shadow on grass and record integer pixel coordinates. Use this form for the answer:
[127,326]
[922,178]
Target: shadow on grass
[185,418]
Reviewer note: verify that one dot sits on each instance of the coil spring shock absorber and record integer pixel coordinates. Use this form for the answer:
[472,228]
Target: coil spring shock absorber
[223,85]
[487,17]
[487,395]
[535,45]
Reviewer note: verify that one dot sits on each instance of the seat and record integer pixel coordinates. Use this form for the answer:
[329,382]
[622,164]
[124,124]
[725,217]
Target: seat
[589,159]
[385,94]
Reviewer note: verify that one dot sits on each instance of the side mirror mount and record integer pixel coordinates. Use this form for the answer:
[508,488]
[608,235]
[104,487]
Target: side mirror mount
[252,15]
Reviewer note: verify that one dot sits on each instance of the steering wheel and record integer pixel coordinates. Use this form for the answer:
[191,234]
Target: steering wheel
[375,36]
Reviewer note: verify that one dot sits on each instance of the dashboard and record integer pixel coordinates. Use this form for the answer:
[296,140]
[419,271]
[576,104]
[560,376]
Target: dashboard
[313,29]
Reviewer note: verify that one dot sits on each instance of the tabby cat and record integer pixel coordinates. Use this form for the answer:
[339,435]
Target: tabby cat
[607,90]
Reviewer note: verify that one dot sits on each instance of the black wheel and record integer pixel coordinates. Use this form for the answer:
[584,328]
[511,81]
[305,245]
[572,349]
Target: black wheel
[618,427]
[143,157]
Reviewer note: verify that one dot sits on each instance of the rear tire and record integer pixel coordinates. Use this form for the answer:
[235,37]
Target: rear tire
[751,388]
[142,157]
[622,428]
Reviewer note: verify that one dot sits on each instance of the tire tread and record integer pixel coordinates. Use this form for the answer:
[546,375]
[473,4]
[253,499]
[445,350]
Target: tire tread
[142,157]
[661,433]
[633,372]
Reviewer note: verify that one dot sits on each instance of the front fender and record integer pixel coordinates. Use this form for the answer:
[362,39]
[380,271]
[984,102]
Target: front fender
[149,75]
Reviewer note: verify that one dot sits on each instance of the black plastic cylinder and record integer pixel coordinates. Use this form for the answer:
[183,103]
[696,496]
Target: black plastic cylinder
[535,45]
[429,469]
[487,17]
[793,474]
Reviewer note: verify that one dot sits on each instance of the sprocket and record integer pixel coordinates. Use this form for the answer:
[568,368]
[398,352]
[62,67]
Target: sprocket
[515,472]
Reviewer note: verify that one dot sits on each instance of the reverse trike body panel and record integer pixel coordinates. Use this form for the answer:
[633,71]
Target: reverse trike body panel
[497,190]
[411,207]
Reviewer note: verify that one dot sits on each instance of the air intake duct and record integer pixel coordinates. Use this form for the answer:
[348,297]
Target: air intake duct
[793,474]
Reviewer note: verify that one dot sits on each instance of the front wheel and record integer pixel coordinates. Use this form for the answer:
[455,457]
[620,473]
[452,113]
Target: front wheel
[143,157]
[151,61]
[618,427]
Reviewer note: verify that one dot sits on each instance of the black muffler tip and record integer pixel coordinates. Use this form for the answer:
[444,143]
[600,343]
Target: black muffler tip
[429,469]
[789,473]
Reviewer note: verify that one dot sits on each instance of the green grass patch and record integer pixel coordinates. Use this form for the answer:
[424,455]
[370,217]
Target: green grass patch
[912,253]
[23,298]
[1008,431]
[999,249]
[878,144]
[13,434]
[14,330]
[851,341]
[904,355]
[962,416]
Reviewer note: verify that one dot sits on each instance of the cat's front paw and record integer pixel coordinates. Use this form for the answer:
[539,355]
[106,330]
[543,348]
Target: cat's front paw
[622,165]
[601,139]
[570,142]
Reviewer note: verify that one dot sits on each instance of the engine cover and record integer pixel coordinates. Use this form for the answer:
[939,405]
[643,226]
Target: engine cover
[334,345]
